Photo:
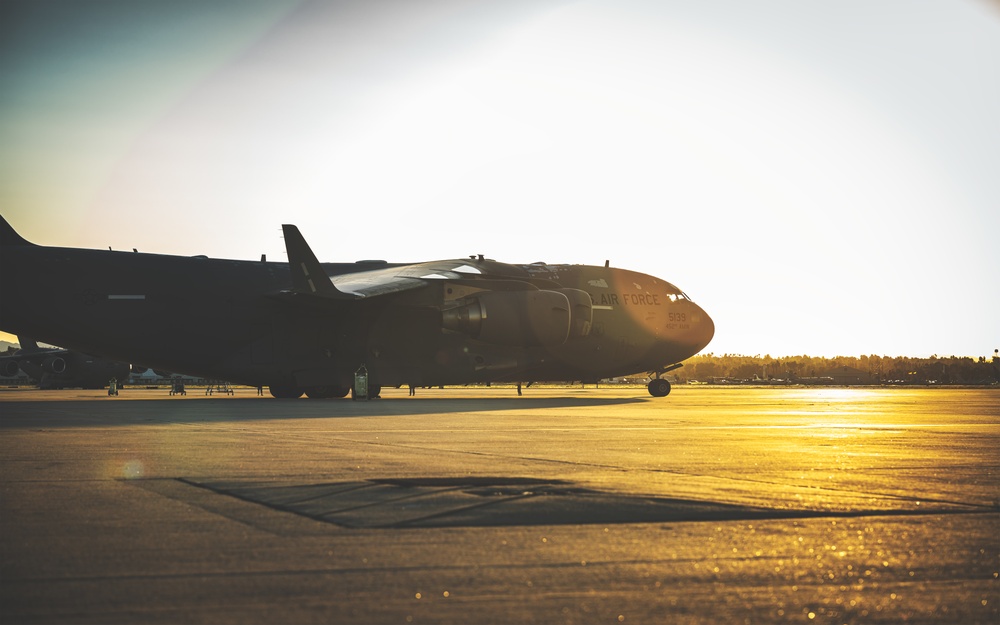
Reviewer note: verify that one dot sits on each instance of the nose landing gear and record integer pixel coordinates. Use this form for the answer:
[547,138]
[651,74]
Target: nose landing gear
[658,387]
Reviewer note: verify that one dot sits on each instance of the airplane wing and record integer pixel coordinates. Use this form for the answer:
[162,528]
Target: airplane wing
[404,278]
[310,280]
[31,359]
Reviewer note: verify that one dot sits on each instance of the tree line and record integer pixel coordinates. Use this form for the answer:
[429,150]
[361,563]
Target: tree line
[874,369]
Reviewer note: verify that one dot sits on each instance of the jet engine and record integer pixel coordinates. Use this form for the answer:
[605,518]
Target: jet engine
[581,312]
[521,318]
[10,368]
[54,364]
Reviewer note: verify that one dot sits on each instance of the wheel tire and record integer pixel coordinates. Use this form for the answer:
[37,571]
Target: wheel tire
[285,392]
[658,387]
[328,391]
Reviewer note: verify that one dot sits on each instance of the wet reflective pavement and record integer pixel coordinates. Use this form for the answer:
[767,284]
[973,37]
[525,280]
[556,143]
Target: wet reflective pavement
[714,505]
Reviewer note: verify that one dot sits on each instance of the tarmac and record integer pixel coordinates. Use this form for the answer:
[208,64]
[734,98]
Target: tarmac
[564,505]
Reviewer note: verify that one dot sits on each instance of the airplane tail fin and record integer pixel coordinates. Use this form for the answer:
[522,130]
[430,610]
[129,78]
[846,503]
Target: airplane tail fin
[308,276]
[28,345]
[9,236]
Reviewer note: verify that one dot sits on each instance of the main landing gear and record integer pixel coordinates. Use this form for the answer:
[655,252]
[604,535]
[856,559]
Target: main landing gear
[285,392]
[330,391]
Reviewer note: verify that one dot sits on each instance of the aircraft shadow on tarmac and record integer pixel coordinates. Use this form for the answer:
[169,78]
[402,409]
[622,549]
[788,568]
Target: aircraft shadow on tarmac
[157,412]
[495,501]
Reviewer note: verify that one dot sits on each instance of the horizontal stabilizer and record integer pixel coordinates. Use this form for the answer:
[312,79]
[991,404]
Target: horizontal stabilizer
[308,276]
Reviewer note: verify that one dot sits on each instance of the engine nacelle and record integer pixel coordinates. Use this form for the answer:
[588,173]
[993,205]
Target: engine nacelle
[10,368]
[516,318]
[581,310]
[54,364]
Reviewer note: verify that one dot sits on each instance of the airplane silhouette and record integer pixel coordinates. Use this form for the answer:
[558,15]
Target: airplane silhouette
[309,327]
[55,367]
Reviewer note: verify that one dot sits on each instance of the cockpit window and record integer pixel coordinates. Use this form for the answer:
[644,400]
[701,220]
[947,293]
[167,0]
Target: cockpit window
[676,295]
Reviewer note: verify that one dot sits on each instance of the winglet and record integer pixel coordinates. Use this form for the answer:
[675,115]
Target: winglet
[9,236]
[28,345]
[307,274]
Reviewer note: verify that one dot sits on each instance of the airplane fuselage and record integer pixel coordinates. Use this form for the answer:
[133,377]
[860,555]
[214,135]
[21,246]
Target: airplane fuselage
[237,321]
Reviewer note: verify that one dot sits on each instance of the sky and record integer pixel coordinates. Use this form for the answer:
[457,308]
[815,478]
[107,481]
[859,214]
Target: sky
[822,177]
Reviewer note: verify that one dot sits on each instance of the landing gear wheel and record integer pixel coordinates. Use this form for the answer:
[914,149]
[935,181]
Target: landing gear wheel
[326,392]
[285,392]
[658,387]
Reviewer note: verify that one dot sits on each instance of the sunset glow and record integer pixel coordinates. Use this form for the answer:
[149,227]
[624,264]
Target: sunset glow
[820,178]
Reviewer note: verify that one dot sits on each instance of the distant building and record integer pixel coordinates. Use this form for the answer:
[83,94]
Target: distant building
[847,376]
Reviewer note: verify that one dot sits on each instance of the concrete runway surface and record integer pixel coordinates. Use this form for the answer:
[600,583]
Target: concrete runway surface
[566,505]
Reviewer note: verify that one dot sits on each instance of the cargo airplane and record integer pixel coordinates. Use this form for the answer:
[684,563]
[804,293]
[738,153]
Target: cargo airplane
[54,367]
[310,327]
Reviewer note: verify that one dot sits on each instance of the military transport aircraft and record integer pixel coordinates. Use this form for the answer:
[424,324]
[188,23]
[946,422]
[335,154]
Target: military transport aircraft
[309,327]
[54,367]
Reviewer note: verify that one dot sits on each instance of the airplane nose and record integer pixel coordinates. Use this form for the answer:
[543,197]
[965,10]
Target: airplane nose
[703,329]
[688,330]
